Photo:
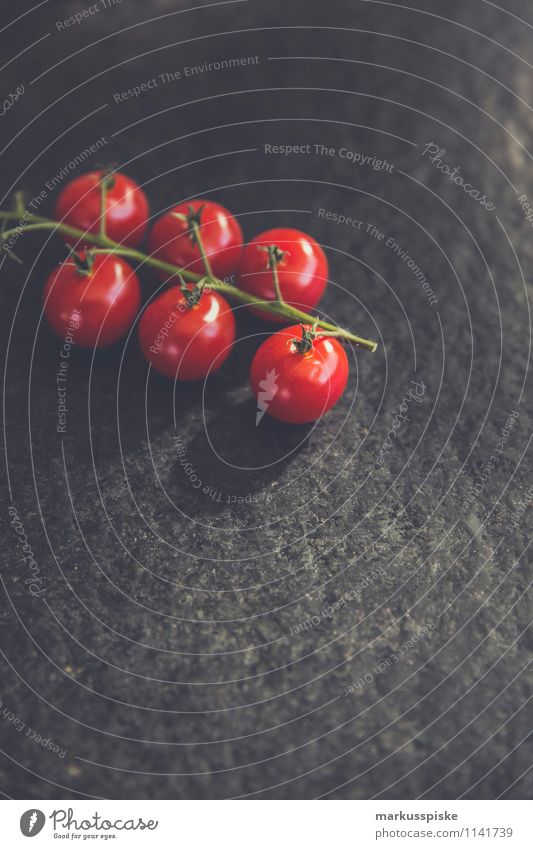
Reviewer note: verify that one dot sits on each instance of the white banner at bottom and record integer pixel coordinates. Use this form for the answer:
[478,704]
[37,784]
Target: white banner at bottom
[264,824]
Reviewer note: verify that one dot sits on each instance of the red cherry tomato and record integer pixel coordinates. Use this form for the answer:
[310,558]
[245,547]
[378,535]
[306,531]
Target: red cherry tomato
[170,239]
[186,342]
[302,271]
[298,387]
[94,308]
[126,205]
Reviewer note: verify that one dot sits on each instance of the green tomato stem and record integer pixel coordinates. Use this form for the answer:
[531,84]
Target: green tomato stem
[107,245]
[103,206]
[203,254]
[275,279]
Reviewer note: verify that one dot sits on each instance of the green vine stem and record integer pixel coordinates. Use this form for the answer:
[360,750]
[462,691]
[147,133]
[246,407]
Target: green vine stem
[275,256]
[193,220]
[103,207]
[107,182]
[107,245]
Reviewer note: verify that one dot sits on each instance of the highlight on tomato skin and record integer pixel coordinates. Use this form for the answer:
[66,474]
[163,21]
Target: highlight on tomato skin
[184,342]
[302,271]
[95,307]
[127,207]
[170,238]
[298,387]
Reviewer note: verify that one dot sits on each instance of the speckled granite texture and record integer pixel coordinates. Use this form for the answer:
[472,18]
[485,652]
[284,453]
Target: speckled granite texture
[327,613]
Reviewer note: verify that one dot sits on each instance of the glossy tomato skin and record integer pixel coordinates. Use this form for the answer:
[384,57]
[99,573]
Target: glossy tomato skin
[127,207]
[302,273]
[187,343]
[95,309]
[294,387]
[169,239]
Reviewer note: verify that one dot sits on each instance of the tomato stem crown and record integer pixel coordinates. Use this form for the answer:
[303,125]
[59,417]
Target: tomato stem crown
[83,260]
[275,256]
[192,294]
[305,344]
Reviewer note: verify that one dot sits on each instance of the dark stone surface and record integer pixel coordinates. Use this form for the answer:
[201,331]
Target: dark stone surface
[165,655]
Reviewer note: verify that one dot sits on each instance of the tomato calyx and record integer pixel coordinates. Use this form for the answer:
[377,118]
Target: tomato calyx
[305,343]
[192,294]
[83,261]
[193,219]
[275,255]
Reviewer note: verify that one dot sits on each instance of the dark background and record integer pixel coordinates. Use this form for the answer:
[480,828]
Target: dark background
[161,655]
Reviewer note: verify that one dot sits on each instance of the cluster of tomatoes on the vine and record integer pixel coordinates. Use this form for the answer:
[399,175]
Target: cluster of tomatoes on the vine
[188,331]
